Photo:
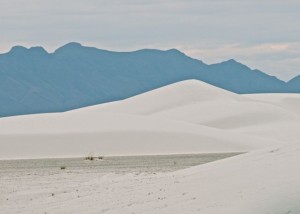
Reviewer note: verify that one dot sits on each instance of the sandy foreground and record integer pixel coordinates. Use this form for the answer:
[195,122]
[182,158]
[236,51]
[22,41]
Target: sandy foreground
[259,182]
[187,117]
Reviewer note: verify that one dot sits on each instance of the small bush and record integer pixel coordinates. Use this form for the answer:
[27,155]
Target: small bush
[63,167]
[90,157]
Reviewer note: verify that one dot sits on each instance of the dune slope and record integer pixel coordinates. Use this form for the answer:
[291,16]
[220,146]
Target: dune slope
[273,116]
[186,117]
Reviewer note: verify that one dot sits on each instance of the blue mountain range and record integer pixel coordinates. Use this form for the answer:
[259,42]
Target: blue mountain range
[35,81]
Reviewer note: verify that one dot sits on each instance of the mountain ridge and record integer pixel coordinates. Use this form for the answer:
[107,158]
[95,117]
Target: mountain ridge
[33,80]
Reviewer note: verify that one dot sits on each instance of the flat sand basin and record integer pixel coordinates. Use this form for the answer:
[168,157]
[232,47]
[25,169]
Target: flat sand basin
[42,186]
[110,164]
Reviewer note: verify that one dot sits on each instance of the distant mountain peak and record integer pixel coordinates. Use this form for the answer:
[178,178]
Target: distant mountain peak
[38,49]
[232,64]
[230,61]
[295,79]
[174,50]
[73,45]
[23,50]
[69,46]
[18,49]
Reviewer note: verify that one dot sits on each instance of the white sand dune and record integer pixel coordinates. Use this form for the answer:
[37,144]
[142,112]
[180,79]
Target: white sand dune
[260,182]
[275,116]
[83,132]
[198,102]
[187,117]
[180,118]
[290,102]
[229,114]
[168,97]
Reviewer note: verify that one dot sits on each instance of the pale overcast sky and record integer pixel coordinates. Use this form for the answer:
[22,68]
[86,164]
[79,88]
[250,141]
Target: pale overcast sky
[263,34]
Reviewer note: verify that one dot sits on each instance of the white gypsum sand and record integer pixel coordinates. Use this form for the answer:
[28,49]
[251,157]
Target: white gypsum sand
[186,117]
[265,181]
[103,129]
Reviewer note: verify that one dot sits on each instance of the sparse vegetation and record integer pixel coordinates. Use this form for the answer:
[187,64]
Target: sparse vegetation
[91,158]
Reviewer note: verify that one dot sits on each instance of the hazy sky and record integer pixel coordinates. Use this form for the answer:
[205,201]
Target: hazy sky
[263,34]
